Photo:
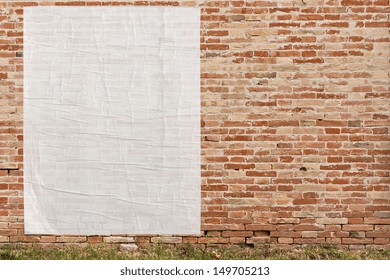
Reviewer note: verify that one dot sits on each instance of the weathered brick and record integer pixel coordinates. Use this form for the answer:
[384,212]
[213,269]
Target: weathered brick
[4,239]
[258,240]
[166,239]
[283,240]
[294,123]
[71,239]
[118,239]
[237,233]
[332,221]
[357,227]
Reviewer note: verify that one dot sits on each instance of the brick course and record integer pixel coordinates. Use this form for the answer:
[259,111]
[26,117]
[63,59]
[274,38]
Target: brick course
[295,123]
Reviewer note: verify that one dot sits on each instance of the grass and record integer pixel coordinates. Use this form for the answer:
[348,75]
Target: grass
[186,252]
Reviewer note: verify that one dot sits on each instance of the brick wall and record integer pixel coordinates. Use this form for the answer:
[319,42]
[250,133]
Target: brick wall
[295,123]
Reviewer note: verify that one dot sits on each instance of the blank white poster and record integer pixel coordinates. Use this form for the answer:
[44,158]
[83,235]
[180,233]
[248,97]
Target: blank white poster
[112,120]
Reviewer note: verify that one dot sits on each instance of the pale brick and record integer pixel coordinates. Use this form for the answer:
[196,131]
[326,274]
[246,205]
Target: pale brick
[118,239]
[4,239]
[166,239]
[332,221]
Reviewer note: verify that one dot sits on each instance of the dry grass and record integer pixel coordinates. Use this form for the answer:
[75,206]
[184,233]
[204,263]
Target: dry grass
[186,252]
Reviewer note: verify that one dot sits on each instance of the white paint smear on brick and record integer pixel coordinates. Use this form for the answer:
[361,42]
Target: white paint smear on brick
[112,120]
